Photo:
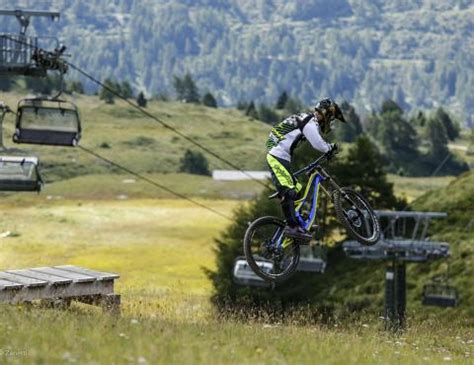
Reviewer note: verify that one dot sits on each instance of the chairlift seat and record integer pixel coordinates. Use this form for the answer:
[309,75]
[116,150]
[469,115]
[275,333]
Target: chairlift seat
[244,275]
[47,122]
[440,295]
[19,174]
[309,262]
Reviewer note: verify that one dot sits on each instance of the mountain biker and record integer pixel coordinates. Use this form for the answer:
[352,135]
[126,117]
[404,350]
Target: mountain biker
[281,143]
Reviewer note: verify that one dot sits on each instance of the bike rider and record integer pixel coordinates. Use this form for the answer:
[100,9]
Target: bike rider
[281,143]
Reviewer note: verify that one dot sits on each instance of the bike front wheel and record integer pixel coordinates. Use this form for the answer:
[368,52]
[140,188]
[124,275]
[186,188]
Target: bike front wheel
[271,255]
[357,216]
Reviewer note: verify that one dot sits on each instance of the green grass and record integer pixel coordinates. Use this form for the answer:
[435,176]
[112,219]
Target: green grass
[414,187]
[86,337]
[160,247]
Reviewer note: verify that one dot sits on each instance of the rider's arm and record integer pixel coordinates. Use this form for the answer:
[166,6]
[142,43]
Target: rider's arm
[311,132]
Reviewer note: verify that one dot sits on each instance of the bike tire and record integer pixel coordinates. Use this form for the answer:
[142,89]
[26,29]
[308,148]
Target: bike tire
[347,194]
[251,259]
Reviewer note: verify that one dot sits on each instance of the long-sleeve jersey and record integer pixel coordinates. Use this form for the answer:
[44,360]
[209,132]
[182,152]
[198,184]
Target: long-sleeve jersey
[286,135]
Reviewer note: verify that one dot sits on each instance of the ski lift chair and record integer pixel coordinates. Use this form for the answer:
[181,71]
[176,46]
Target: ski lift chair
[309,263]
[19,174]
[440,294]
[47,122]
[244,275]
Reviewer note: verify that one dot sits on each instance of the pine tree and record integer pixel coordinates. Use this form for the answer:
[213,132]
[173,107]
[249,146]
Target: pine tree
[390,106]
[209,100]
[141,100]
[293,105]
[452,130]
[437,139]
[126,90]
[397,138]
[76,87]
[251,111]
[281,102]
[192,92]
[186,89]
[105,92]
[179,88]
[267,114]
[348,132]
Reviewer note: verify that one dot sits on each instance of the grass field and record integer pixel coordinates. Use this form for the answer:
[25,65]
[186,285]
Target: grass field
[413,187]
[160,247]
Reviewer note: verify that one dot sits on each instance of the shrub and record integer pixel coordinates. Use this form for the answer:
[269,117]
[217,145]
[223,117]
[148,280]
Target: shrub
[194,163]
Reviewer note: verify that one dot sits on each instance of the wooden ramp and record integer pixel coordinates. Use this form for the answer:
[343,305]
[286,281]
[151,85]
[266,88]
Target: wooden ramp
[59,284]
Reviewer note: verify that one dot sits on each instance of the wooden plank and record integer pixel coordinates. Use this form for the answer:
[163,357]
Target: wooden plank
[29,282]
[76,277]
[52,279]
[28,294]
[98,274]
[8,285]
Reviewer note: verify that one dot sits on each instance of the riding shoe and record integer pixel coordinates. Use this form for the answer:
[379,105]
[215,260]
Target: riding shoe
[298,233]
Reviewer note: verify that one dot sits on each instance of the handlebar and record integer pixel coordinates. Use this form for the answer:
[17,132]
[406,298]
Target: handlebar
[326,157]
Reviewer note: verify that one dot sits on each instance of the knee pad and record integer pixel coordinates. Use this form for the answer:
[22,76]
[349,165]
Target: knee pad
[290,194]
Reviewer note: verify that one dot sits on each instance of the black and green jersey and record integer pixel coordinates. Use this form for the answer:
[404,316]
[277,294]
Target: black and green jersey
[286,135]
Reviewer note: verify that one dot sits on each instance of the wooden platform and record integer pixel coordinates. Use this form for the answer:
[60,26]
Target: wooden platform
[59,284]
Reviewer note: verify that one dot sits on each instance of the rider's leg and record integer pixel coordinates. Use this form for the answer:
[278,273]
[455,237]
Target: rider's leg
[288,207]
[288,188]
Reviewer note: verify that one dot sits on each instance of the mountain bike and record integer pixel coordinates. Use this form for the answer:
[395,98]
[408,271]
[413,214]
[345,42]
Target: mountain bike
[266,242]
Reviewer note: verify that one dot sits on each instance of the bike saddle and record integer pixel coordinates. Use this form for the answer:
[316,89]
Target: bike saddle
[274,195]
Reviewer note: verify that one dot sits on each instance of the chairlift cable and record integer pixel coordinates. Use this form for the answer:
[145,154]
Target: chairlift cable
[152,182]
[167,126]
[153,117]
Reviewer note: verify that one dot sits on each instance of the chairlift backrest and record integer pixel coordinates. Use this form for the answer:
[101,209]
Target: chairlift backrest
[19,174]
[47,122]
[439,294]
[244,275]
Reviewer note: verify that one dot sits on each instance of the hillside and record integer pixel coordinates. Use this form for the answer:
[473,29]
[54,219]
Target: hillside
[416,52]
[359,285]
[127,137]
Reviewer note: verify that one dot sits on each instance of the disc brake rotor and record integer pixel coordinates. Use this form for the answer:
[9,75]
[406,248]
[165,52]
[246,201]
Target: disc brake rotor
[354,218]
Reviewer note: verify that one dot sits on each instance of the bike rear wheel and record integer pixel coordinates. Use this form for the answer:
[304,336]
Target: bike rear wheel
[265,241]
[357,216]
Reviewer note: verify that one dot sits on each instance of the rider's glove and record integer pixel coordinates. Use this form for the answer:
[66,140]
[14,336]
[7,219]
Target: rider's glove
[334,149]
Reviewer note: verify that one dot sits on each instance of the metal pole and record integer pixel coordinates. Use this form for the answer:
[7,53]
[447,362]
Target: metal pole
[401,289]
[3,111]
[390,317]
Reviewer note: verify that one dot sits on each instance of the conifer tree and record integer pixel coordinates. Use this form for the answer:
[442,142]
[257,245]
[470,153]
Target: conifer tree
[106,94]
[281,102]
[348,132]
[452,130]
[209,100]
[141,100]
[251,111]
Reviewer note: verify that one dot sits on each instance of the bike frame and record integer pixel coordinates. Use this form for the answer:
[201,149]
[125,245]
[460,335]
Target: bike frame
[316,177]
[314,182]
